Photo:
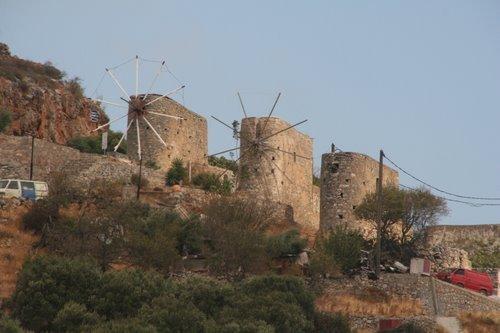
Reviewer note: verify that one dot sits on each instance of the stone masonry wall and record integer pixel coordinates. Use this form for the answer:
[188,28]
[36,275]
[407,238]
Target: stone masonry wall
[186,139]
[346,178]
[457,235]
[276,175]
[15,152]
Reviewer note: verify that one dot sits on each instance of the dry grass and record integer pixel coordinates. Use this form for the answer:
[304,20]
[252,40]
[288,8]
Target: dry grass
[369,302]
[15,246]
[480,322]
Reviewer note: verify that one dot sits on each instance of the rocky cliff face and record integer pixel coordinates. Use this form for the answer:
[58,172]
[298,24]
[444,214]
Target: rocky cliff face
[42,103]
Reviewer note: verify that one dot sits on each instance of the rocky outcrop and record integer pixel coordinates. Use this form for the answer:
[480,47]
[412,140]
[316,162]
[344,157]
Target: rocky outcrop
[41,102]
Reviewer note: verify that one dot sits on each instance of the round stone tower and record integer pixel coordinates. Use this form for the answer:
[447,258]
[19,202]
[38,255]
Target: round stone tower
[281,176]
[186,139]
[346,178]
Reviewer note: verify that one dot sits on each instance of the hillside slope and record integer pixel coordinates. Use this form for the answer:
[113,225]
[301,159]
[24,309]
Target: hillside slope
[41,102]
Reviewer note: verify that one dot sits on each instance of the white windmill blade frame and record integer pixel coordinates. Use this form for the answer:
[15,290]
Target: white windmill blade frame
[242,105]
[123,136]
[110,73]
[109,122]
[169,93]
[154,131]
[154,79]
[167,115]
[136,75]
[110,103]
[138,139]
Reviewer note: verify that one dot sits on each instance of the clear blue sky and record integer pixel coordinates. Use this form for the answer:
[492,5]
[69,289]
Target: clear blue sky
[420,79]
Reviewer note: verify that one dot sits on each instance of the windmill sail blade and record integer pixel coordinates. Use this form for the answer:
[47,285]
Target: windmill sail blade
[281,170]
[154,131]
[166,115]
[225,151]
[110,73]
[138,139]
[242,106]
[270,113]
[169,93]
[136,75]
[223,123]
[123,136]
[287,152]
[283,130]
[111,103]
[109,122]
[154,79]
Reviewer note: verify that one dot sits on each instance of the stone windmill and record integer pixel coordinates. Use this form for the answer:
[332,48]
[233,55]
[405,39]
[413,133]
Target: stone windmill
[147,115]
[275,161]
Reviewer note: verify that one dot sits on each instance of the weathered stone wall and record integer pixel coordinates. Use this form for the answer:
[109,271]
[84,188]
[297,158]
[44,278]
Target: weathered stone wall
[186,139]
[346,178]
[462,235]
[15,152]
[275,175]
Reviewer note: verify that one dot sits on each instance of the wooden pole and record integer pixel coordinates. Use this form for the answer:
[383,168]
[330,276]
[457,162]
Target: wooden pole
[140,179]
[32,156]
[379,213]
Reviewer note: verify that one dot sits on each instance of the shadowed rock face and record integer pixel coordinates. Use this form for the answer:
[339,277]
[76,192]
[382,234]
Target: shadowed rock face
[42,103]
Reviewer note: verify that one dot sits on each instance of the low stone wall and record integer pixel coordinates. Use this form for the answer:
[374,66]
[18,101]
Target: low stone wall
[50,158]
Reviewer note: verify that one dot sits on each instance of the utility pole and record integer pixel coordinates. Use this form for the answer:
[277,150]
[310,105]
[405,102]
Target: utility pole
[140,178]
[32,155]
[379,213]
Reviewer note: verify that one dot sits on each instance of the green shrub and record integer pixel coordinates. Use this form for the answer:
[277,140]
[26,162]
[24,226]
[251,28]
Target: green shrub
[47,283]
[223,163]
[235,229]
[74,317]
[93,144]
[190,236]
[407,328]
[8,325]
[153,242]
[331,323]
[152,165]
[132,325]
[53,72]
[168,314]
[344,246]
[288,243]
[42,215]
[5,119]
[122,293]
[177,173]
[213,183]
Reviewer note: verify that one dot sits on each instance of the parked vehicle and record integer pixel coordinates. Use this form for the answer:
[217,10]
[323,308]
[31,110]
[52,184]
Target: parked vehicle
[20,188]
[466,278]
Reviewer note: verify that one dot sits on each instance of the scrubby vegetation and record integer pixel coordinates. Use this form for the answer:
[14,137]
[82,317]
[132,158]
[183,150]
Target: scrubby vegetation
[93,144]
[72,295]
[213,183]
[177,174]
[5,119]
[223,162]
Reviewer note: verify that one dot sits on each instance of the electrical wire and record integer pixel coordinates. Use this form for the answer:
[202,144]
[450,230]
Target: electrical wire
[473,204]
[438,189]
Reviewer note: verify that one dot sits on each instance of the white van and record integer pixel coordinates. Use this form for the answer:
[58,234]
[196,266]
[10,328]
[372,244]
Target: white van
[20,188]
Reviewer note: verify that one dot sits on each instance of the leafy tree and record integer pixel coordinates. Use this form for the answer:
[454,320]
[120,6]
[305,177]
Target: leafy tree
[413,210]
[75,87]
[343,246]
[287,243]
[46,284]
[190,236]
[8,325]
[93,144]
[132,325]
[5,119]
[235,232]
[74,317]
[122,293]
[153,241]
[331,323]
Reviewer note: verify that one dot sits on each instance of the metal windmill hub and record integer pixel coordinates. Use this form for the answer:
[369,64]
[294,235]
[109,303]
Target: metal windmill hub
[137,105]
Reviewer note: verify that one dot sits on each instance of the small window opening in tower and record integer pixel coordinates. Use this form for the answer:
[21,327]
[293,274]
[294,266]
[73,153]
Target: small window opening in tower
[282,183]
[341,216]
[294,157]
[255,169]
[147,127]
[347,180]
[354,207]
[272,170]
[364,183]
[341,194]
[177,132]
[272,157]
[334,167]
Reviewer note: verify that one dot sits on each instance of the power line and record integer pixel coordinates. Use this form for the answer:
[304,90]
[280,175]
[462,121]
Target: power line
[473,204]
[438,189]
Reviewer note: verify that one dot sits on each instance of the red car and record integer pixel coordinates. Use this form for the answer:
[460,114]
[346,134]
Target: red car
[466,278]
